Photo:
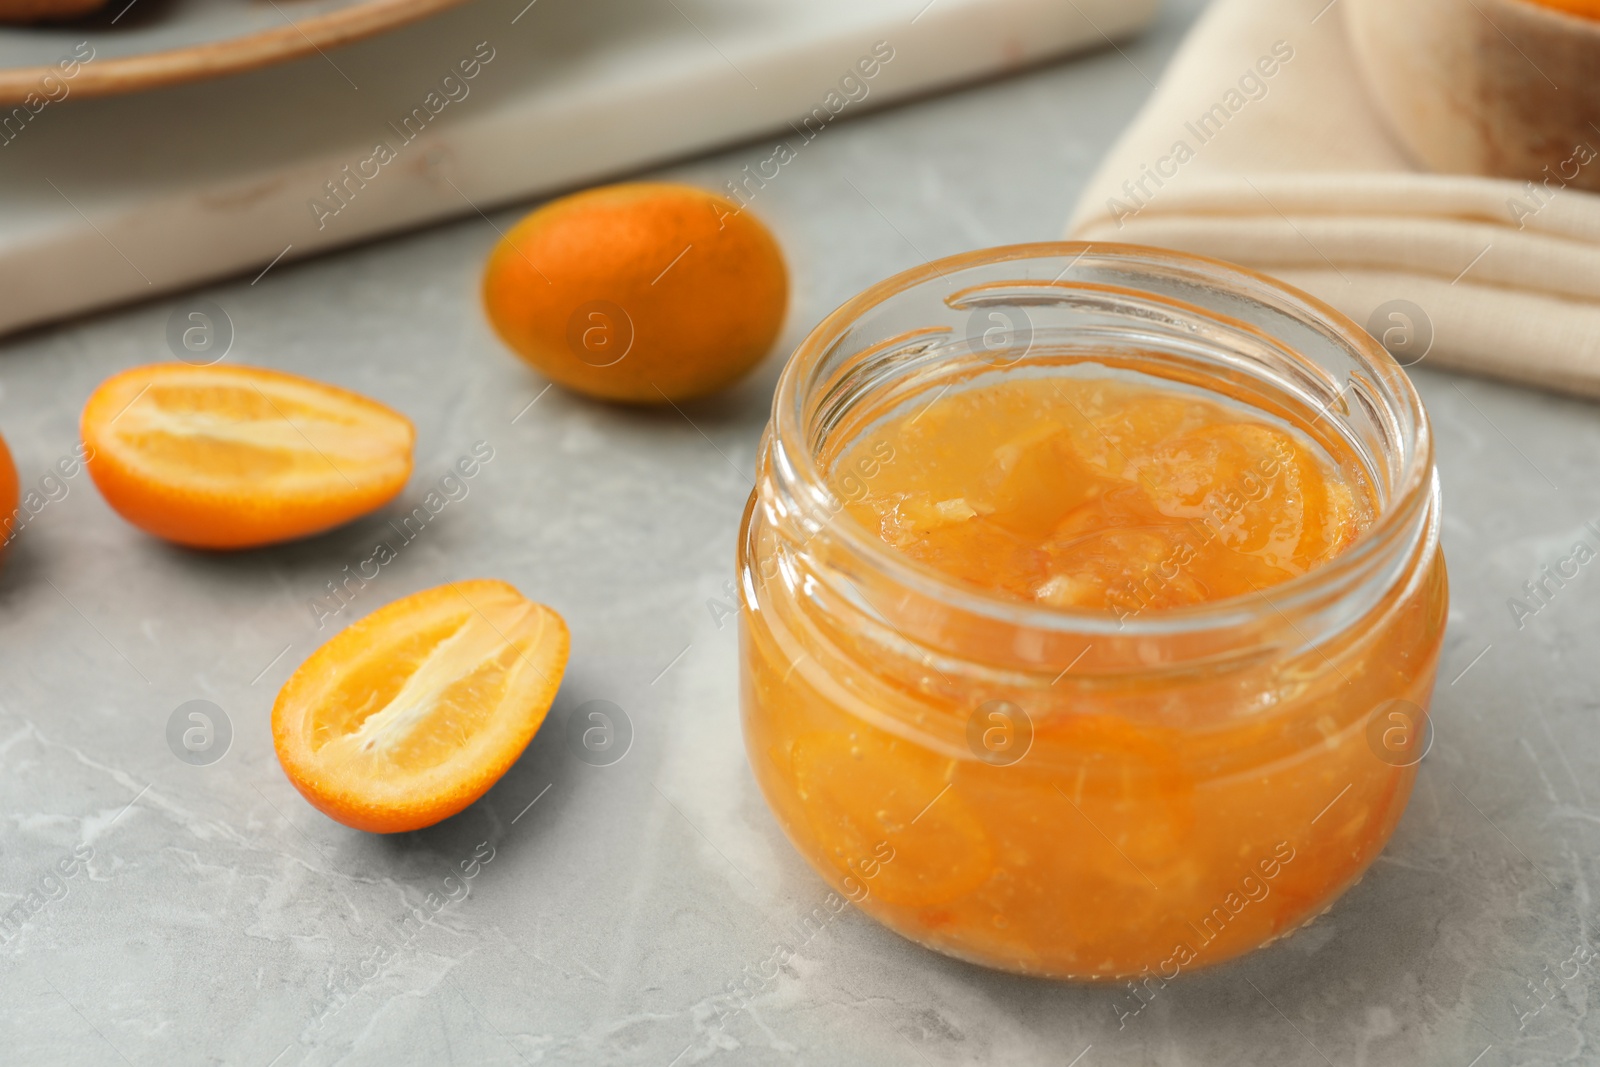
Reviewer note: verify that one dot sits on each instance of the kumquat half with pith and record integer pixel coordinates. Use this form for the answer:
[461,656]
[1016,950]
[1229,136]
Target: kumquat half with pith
[236,457]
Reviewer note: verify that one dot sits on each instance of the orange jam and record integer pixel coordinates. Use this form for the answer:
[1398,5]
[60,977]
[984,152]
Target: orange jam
[1104,495]
[1103,650]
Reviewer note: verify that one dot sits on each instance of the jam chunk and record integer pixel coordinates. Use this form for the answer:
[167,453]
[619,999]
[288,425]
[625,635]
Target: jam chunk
[1105,494]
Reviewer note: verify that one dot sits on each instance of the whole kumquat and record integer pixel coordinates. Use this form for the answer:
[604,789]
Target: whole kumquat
[645,292]
[1589,9]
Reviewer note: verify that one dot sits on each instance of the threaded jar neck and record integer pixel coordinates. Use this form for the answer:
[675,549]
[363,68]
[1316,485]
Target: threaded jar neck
[1085,309]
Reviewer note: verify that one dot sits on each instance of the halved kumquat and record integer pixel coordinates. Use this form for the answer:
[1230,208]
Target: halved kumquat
[413,712]
[235,457]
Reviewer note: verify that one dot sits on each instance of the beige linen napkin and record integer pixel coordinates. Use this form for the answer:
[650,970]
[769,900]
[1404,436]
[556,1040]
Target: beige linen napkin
[1262,147]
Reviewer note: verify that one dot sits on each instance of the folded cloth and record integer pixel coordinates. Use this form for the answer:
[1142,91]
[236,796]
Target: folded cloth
[1261,146]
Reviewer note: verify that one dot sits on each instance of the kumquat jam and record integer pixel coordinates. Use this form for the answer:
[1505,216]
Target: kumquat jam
[1092,599]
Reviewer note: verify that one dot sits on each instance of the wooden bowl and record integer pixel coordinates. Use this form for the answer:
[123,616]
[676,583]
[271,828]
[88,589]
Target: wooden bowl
[1505,88]
[26,11]
[130,45]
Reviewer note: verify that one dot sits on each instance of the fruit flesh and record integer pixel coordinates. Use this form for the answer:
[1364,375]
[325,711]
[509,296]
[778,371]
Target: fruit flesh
[1144,802]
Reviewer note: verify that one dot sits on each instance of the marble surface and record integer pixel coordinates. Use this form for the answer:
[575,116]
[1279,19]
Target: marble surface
[199,181]
[210,913]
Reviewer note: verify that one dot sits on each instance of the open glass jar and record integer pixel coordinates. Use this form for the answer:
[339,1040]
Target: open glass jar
[1066,792]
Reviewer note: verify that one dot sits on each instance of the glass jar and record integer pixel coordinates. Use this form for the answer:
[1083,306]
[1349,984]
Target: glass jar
[1063,792]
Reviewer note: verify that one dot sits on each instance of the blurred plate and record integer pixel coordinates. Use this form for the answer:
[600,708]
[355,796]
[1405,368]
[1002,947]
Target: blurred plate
[138,44]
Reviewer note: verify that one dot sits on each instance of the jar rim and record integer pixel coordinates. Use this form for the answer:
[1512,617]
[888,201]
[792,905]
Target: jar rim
[1406,506]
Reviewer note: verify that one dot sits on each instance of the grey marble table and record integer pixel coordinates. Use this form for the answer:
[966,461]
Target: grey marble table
[211,916]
